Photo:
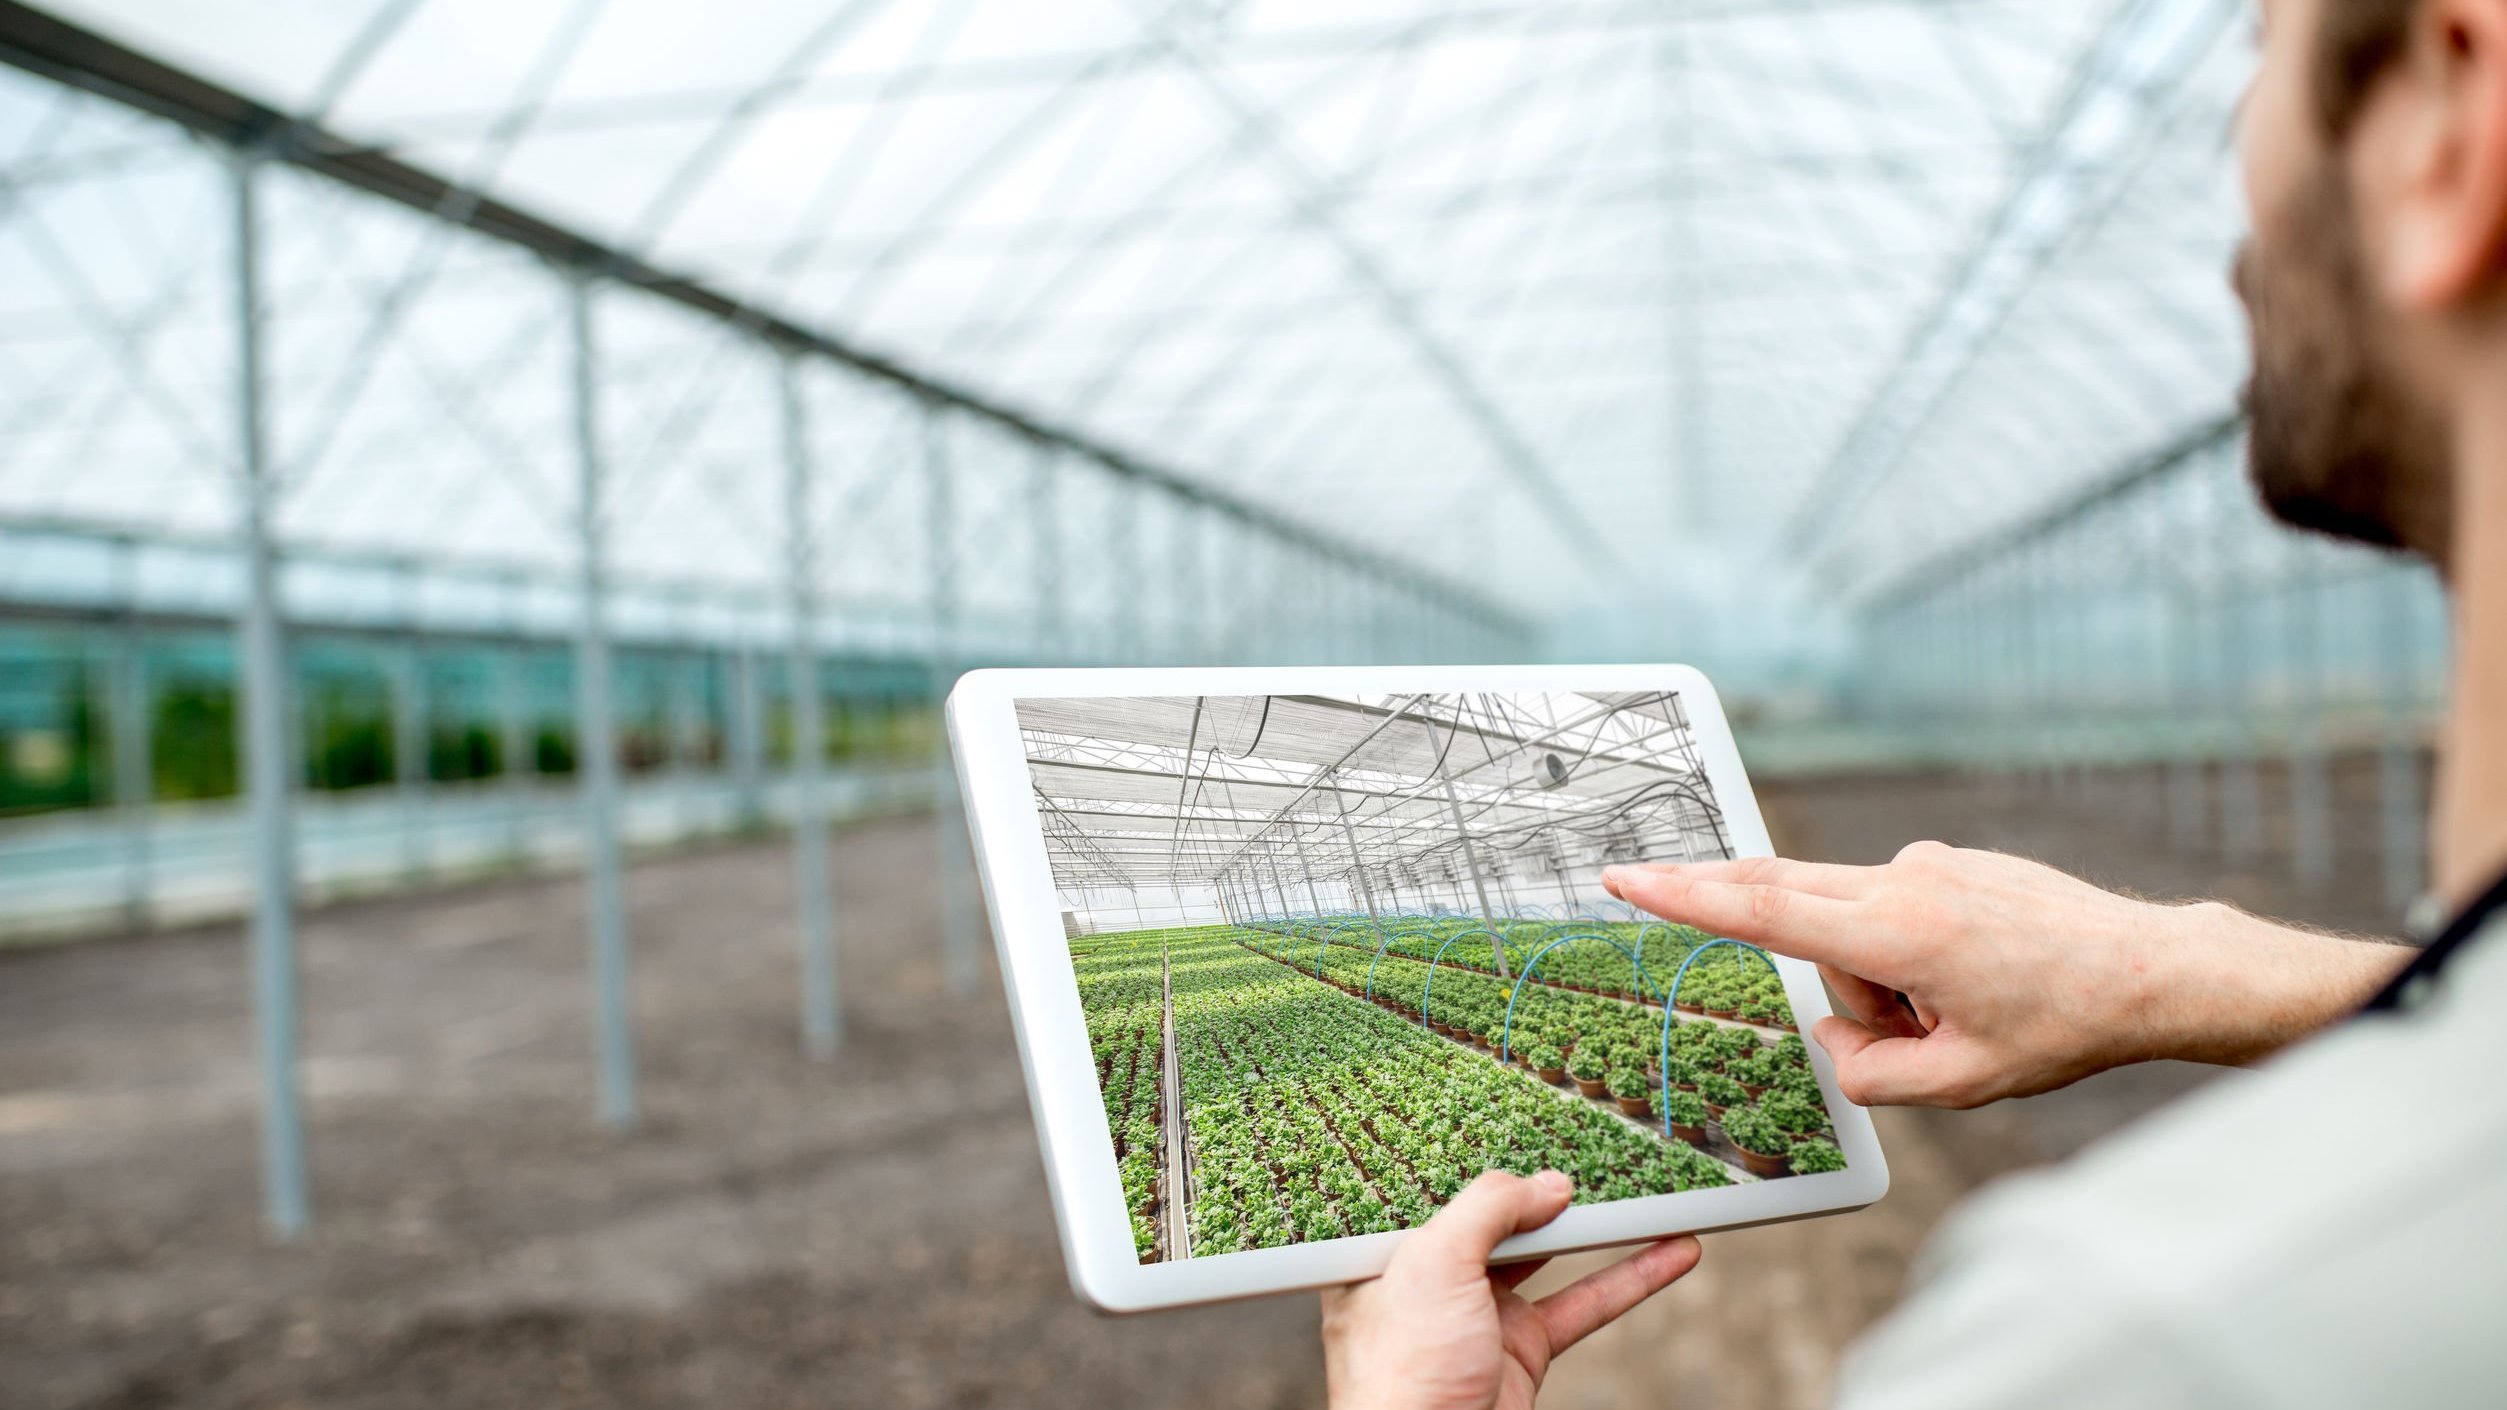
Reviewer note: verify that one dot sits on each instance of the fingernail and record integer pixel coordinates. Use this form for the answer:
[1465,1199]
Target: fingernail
[1556,1182]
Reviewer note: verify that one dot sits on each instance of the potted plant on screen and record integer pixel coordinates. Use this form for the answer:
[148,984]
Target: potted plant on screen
[1684,1072]
[1687,1111]
[1588,1072]
[1635,1097]
[1766,1149]
[1817,1158]
[1721,1092]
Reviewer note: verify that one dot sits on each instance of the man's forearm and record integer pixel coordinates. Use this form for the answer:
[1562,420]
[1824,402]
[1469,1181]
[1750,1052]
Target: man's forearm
[2234,988]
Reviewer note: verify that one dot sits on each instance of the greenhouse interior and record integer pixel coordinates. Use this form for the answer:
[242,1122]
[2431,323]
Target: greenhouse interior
[492,495]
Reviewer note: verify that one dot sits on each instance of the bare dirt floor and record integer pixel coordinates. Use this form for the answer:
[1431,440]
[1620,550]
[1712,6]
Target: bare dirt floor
[871,1232]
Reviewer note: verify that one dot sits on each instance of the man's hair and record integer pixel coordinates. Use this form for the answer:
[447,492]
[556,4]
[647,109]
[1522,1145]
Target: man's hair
[2361,39]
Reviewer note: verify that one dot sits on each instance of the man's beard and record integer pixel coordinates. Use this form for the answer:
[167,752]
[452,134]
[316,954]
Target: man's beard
[2336,443]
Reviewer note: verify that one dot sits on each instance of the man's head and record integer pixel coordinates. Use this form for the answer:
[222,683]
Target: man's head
[2375,146]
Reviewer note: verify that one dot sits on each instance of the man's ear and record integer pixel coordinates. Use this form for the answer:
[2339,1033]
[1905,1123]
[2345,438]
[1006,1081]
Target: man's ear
[2431,152]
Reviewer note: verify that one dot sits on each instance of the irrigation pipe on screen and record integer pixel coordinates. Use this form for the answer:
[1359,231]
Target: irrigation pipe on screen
[1671,999]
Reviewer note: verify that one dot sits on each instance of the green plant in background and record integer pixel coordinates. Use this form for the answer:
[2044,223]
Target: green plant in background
[1546,1058]
[1587,1066]
[466,752]
[192,741]
[1721,1090]
[49,754]
[347,729]
[1628,1082]
[553,751]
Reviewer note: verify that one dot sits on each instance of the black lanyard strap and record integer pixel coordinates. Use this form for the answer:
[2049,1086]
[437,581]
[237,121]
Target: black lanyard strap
[2438,953]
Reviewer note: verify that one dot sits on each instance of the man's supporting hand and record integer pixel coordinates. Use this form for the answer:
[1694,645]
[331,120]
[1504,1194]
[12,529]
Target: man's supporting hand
[1441,1330]
[1971,976]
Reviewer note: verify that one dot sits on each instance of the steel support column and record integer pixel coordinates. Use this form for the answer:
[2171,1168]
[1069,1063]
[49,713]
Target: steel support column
[1044,521]
[515,743]
[596,736]
[822,1023]
[270,760]
[1349,835]
[409,747]
[1470,853]
[128,699]
[957,918]
[1307,867]
[746,735]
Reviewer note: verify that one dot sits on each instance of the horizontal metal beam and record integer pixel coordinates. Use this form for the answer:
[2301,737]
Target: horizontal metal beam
[64,53]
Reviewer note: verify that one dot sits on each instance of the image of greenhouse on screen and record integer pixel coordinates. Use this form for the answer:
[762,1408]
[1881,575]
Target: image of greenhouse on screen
[1341,954]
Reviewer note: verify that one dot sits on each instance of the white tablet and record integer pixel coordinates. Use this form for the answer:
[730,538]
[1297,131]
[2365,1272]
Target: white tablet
[1294,954]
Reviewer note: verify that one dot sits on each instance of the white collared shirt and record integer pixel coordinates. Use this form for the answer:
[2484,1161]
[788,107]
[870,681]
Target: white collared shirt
[2327,1230]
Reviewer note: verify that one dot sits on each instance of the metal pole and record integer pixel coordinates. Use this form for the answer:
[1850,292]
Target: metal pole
[409,749]
[133,748]
[1201,618]
[679,727]
[1357,863]
[1044,515]
[1470,854]
[1307,867]
[822,1018]
[957,921]
[269,760]
[596,738]
[521,757]
[748,736]
[1122,551]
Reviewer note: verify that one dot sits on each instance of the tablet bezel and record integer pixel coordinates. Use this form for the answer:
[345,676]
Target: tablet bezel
[1052,1030]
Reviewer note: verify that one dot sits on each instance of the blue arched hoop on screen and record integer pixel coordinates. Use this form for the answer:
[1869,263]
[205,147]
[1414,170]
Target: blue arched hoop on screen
[1428,988]
[1390,936]
[1506,1052]
[1671,997]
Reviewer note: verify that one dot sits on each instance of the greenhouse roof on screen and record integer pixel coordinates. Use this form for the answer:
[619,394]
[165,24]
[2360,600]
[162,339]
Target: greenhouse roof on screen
[1183,791]
[1544,303]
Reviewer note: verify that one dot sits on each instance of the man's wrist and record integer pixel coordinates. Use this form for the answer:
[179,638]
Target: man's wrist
[2232,988]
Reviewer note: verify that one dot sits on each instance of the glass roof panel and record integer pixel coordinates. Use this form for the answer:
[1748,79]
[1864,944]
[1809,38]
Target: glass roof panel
[1552,297]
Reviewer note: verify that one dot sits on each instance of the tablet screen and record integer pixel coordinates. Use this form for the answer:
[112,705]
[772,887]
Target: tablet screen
[1339,954]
